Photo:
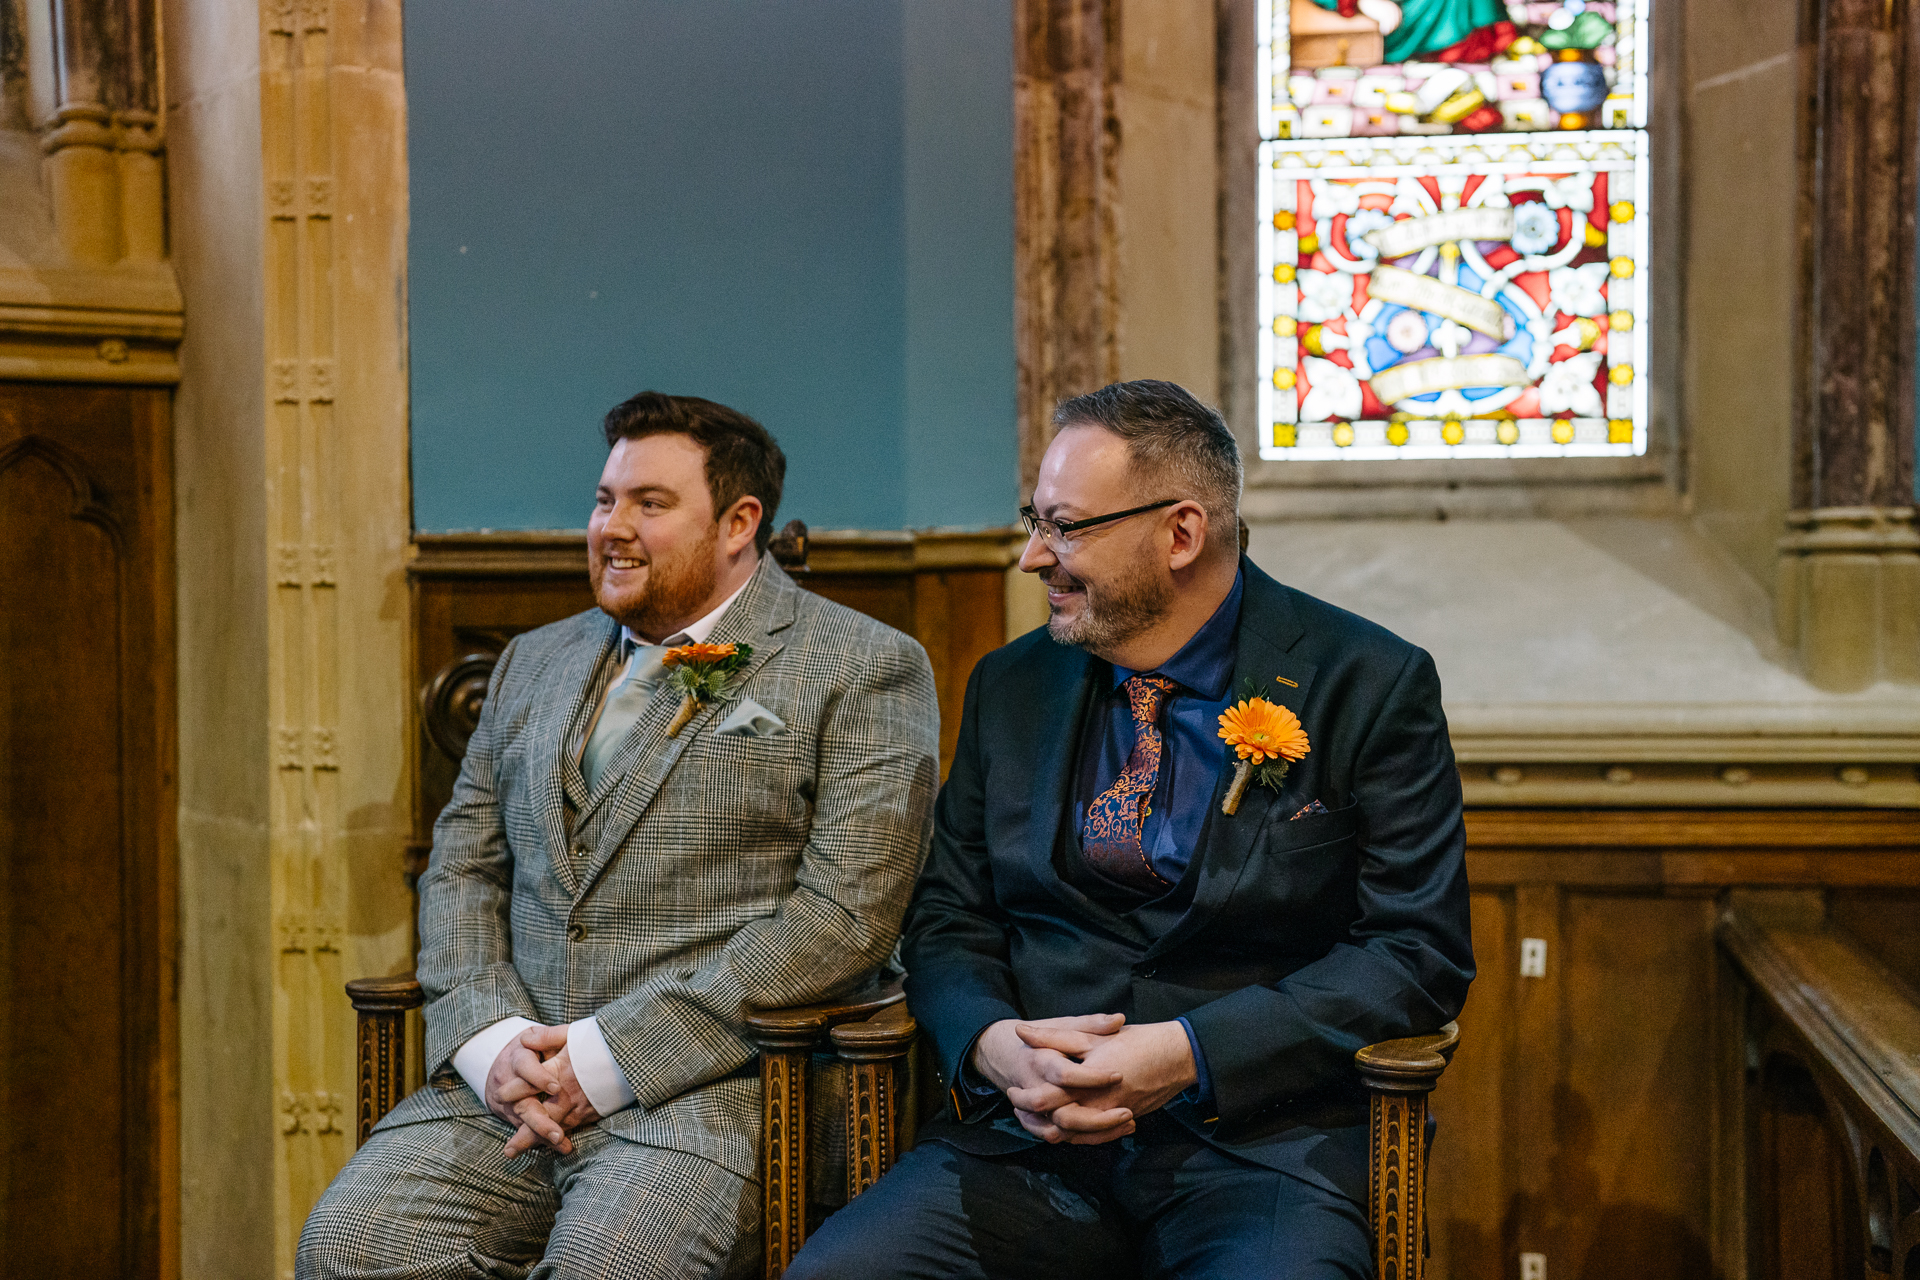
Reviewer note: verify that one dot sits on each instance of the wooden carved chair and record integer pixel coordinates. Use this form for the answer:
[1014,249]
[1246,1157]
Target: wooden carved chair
[861,1045]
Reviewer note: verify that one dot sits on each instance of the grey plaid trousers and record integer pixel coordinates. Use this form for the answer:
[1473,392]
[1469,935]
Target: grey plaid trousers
[436,1201]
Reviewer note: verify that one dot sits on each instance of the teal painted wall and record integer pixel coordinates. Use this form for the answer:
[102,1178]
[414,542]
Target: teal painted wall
[803,210]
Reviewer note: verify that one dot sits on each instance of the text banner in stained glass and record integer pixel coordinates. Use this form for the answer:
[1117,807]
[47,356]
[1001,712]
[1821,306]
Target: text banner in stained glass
[1451,253]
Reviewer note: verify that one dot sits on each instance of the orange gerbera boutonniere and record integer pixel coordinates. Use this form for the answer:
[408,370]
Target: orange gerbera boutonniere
[1266,738]
[701,672]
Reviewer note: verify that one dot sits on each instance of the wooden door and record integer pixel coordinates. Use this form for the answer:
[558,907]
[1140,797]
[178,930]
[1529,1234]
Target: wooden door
[86,829]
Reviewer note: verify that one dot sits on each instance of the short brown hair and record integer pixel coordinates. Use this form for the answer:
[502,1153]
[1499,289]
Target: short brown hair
[1173,437]
[742,458]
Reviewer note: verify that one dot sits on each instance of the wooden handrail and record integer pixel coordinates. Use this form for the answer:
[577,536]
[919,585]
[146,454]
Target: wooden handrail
[1861,1020]
[1816,998]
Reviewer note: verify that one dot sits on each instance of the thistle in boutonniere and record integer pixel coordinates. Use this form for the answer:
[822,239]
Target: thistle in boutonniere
[1266,738]
[701,672]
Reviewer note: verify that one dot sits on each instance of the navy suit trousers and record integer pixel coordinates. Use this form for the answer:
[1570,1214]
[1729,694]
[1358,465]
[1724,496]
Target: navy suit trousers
[1158,1203]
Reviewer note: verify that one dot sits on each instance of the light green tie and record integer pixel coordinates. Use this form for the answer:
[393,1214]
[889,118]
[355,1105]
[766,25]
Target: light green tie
[626,701]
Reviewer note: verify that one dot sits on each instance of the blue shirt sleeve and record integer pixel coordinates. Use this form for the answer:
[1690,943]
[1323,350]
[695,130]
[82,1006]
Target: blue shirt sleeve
[974,1095]
[1201,1093]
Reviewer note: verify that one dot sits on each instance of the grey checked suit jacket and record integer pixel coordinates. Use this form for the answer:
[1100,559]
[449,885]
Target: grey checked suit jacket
[727,872]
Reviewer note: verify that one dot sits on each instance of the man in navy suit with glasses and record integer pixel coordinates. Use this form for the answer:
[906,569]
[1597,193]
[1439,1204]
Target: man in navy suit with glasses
[1143,984]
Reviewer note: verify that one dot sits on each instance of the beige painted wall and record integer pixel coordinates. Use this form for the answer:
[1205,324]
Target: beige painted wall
[1740,71]
[288,208]
[1168,276]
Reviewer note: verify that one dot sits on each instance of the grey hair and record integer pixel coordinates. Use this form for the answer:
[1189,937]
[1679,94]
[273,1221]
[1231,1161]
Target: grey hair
[1173,439]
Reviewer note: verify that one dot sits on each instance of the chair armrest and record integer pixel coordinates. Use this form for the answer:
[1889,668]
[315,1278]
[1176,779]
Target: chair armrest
[1399,1074]
[800,1026]
[1412,1065]
[886,1035]
[875,1051]
[386,995]
[787,1038]
[380,1045]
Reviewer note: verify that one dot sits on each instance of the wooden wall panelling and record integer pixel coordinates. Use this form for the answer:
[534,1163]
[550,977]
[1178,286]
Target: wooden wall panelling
[87,754]
[960,616]
[1472,1164]
[1579,1117]
[1631,1119]
[472,593]
[946,590]
[1538,1048]
[1803,1203]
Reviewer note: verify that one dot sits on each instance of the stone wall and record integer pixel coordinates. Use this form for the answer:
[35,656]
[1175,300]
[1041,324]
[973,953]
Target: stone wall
[288,204]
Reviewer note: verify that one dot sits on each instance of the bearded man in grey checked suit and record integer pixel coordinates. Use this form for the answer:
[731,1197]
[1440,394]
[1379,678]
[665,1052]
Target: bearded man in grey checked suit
[606,901]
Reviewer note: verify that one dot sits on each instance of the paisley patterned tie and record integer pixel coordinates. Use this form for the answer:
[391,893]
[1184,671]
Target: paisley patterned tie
[1111,837]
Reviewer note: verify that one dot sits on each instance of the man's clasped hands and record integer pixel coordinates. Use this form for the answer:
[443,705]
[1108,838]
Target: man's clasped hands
[1085,1079]
[1081,1080]
[531,1084]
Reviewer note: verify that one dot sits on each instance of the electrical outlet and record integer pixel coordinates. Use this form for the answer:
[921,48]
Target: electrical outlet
[1533,1266]
[1533,964]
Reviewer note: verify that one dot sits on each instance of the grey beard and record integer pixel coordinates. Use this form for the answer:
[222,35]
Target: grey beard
[1109,622]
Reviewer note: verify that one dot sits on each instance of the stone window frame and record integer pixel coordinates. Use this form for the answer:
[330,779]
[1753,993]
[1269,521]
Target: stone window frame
[1652,483]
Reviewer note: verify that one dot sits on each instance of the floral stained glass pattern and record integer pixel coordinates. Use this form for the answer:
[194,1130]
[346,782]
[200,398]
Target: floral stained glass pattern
[1451,257]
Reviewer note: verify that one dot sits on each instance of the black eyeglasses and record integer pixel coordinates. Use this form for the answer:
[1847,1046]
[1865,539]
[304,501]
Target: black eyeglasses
[1054,532]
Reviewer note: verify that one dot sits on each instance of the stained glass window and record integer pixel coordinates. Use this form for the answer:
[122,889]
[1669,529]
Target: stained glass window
[1453,232]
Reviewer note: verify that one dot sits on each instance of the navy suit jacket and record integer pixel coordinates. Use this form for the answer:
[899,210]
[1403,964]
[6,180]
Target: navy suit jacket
[1305,939]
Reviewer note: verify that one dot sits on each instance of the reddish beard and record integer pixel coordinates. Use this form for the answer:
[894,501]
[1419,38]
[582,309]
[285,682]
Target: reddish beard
[676,585]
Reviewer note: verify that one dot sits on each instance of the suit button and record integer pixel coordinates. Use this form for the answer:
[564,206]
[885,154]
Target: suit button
[577,932]
[579,851]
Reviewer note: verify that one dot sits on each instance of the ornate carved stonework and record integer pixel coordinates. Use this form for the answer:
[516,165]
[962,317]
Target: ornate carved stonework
[332,139]
[89,296]
[1849,594]
[1849,580]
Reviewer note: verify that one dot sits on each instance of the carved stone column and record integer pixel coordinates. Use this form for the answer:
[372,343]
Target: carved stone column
[82,178]
[102,141]
[137,133]
[1065,208]
[333,453]
[1849,577]
[1849,595]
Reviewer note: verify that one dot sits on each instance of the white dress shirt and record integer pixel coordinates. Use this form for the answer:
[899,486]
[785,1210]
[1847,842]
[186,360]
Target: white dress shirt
[601,1078]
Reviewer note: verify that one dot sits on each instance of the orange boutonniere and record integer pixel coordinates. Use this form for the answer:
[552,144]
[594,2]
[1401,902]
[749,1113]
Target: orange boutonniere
[702,673]
[1266,738]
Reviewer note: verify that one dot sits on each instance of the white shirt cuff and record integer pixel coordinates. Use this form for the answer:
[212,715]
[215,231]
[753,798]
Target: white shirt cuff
[600,1077]
[475,1058]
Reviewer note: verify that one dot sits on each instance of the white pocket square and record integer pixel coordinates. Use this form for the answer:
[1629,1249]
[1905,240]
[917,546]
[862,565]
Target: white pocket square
[749,719]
